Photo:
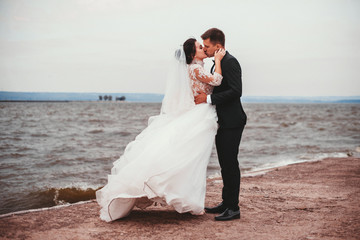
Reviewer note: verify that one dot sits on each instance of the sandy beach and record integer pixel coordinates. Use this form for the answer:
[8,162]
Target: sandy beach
[313,200]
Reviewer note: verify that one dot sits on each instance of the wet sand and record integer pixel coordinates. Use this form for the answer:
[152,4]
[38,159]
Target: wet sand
[313,200]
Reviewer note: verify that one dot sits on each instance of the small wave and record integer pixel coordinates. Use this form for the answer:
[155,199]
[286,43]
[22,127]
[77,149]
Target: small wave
[95,120]
[12,155]
[12,138]
[319,156]
[52,113]
[259,127]
[96,131]
[214,175]
[59,196]
[23,149]
[18,132]
[213,167]
[42,209]
[263,168]
[123,134]
[47,197]
[39,135]
[287,124]
[5,146]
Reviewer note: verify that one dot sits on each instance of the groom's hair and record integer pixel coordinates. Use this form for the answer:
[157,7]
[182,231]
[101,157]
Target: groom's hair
[215,35]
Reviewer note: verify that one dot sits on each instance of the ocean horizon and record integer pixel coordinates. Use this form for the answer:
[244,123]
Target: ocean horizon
[155,97]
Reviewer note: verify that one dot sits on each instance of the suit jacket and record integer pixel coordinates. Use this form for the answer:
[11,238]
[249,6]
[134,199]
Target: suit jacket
[226,97]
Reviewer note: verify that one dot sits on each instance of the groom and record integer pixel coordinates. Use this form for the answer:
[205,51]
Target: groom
[231,120]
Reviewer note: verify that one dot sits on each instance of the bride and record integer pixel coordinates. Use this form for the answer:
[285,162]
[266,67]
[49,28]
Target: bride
[167,161]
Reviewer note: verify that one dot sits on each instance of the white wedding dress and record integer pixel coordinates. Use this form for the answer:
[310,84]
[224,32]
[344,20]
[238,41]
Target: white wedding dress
[167,161]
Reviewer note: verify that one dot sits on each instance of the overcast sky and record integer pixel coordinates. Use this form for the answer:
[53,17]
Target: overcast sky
[285,47]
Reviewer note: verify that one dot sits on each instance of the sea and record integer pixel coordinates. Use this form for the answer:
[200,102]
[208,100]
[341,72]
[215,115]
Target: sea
[56,153]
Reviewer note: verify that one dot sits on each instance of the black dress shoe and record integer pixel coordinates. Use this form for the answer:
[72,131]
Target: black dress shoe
[228,214]
[218,209]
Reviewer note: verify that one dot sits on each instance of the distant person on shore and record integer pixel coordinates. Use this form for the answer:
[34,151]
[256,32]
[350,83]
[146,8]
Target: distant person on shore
[167,161]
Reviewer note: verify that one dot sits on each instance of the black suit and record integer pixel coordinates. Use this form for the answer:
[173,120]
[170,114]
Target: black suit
[232,120]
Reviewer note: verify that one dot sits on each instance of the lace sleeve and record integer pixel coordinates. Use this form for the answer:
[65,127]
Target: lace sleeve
[201,75]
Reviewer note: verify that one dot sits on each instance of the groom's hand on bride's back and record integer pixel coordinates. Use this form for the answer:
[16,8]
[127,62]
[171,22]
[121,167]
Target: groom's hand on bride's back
[201,98]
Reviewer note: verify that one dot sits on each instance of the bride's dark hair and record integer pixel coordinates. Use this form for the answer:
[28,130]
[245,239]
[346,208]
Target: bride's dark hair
[189,49]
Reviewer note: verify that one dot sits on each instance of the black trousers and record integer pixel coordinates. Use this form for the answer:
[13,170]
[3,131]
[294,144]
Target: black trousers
[227,142]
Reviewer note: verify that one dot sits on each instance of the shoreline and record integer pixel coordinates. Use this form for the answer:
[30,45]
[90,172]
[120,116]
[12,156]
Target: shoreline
[216,177]
[310,200]
[44,209]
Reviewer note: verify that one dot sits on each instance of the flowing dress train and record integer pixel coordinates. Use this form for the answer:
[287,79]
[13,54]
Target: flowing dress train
[167,161]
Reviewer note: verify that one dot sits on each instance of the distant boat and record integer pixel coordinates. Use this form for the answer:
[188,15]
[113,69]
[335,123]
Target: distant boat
[122,98]
[105,98]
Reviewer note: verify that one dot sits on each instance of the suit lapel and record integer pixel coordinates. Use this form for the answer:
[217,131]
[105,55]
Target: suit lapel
[212,68]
